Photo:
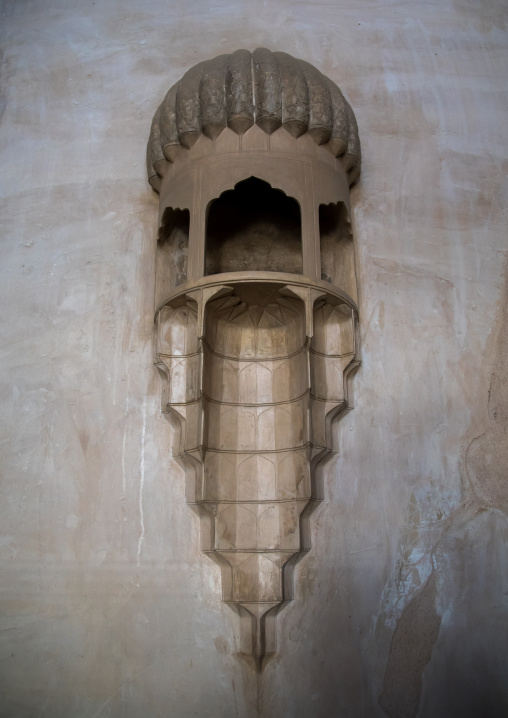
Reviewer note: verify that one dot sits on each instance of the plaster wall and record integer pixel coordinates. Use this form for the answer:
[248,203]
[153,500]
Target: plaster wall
[108,607]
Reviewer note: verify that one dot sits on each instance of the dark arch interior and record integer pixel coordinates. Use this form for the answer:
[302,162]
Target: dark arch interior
[254,228]
[172,250]
[337,249]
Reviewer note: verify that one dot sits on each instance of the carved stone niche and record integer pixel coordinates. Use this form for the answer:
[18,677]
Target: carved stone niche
[253,155]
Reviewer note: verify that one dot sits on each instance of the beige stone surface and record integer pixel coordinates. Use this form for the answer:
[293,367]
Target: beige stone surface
[108,606]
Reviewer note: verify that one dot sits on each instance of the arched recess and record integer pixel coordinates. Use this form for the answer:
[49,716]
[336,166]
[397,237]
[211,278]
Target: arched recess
[337,248]
[172,251]
[253,227]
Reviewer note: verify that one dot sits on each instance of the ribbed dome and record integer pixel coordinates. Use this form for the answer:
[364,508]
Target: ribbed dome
[263,87]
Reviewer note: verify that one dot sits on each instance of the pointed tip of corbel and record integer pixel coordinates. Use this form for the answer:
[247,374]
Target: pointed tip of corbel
[257,663]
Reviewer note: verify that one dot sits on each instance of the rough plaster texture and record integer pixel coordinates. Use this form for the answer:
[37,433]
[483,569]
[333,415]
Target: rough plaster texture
[108,606]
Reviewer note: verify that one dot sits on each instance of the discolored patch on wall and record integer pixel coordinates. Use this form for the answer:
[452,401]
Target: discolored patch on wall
[410,651]
[487,453]
[221,643]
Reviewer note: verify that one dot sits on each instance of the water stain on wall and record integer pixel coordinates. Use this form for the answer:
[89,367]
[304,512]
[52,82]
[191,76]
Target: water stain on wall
[487,453]
[410,651]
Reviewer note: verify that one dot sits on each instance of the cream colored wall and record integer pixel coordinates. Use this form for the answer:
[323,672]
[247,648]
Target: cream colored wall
[108,606]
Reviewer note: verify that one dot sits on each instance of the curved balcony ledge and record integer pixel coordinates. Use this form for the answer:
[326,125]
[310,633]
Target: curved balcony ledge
[281,278]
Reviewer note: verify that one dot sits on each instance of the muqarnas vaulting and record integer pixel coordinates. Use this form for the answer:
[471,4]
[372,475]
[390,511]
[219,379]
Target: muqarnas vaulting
[253,155]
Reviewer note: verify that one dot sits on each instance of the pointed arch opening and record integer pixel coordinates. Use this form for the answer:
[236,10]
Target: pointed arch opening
[254,227]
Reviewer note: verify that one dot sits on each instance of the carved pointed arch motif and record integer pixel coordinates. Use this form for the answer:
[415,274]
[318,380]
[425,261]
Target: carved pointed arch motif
[231,183]
[257,355]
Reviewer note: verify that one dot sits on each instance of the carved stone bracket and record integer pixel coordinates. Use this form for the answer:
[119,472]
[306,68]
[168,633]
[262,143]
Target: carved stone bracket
[256,360]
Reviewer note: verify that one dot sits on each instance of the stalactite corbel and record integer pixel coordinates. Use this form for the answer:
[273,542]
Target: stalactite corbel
[256,297]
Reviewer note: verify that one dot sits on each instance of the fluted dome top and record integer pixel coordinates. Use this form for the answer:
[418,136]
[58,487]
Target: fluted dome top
[263,87]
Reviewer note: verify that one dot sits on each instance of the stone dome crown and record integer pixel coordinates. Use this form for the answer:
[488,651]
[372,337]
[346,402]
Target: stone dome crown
[270,89]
